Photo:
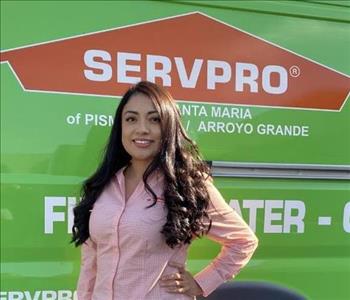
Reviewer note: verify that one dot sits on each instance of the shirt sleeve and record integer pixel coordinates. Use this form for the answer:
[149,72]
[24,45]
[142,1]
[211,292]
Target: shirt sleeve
[88,269]
[238,243]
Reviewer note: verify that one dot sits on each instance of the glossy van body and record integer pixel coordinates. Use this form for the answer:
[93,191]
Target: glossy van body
[262,87]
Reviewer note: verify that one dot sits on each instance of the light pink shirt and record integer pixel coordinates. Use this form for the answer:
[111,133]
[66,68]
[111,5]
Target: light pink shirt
[126,254]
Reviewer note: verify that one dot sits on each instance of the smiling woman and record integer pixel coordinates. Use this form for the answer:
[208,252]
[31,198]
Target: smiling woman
[141,132]
[149,199]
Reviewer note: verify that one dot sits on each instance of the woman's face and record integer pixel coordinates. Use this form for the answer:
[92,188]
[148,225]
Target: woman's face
[141,132]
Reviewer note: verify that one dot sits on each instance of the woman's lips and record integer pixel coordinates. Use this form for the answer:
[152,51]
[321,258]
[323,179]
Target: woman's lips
[142,143]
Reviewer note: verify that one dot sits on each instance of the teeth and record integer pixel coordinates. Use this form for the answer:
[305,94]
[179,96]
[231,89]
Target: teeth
[142,141]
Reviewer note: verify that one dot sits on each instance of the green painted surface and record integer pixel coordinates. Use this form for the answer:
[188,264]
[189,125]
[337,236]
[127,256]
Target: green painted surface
[43,156]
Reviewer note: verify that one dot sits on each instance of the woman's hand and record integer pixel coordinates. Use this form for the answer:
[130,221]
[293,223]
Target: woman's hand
[181,282]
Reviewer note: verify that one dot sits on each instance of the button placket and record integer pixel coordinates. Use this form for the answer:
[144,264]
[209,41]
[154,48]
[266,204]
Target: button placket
[116,224]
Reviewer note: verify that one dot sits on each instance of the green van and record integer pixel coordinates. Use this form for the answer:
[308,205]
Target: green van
[262,87]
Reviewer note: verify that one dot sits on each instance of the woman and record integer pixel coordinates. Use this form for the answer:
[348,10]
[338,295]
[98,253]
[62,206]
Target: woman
[150,197]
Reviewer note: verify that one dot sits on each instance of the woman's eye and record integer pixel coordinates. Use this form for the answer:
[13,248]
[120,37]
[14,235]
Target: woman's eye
[155,119]
[130,119]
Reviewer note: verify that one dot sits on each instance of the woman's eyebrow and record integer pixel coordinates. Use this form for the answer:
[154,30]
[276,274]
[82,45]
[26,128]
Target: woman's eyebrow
[152,112]
[131,112]
[136,113]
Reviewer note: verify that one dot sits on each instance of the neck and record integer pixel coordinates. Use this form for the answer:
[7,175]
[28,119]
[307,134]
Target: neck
[137,168]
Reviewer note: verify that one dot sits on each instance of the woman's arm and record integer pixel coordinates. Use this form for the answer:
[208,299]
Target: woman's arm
[237,239]
[88,269]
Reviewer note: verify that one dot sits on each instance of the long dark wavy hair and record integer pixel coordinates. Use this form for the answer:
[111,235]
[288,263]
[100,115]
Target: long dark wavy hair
[185,193]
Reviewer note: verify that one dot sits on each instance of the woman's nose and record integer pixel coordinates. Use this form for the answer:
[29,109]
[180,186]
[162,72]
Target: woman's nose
[142,127]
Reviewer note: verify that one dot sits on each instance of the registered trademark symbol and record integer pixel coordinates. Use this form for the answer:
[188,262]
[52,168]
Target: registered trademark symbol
[294,71]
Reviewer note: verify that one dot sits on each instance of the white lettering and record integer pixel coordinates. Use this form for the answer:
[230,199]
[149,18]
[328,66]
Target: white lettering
[39,295]
[235,205]
[71,204]
[220,127]
[283,130]
[272,216]
[266,80]
[64,295]
[253,206]
[163,73]
[242,79]
[202,127]
[292,214]
[123,67]
[49,295]
[247,77]
[213,77]
[230,112]
[15,296]
[185,80]
[105,70]
[229,127]
[50,215]
[297,219]
[29,297]
[346,218]
[98,120]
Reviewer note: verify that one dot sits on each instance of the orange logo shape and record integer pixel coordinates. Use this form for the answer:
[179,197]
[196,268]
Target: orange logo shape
[196,57]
